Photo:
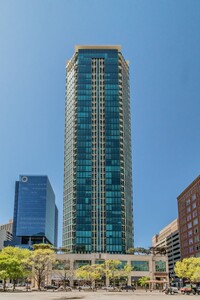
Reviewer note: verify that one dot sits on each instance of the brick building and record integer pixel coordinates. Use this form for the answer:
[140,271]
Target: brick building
[189,220]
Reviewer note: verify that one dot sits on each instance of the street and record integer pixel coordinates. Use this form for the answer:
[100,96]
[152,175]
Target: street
[100,295]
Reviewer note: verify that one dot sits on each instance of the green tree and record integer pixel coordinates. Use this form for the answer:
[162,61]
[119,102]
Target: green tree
[4,274]
[13,264]
[125,272]
[89,273]
[43,246]
[41,260]
[158,250]
[62,269]
[188,268]
[131,251]
[112,269]
[139,251]
[196,275]
[144,281]
[64,250]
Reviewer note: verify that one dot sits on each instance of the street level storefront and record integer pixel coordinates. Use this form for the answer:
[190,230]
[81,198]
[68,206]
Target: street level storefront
[153,266]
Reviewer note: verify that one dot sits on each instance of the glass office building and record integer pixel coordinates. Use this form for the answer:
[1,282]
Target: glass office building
[35,212]
[97,212]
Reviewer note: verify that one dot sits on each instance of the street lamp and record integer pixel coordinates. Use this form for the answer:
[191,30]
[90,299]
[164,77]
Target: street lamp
[180,282]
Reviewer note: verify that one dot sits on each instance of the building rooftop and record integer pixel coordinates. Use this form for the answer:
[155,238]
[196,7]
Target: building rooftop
[114,47]
[191,185]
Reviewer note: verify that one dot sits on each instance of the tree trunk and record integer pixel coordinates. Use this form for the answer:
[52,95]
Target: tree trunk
[64,283]
[14,284]
[4,285]
[39,283]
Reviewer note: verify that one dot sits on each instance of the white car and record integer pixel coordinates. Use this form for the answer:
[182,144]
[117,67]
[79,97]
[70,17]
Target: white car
[108,287]
[85,287]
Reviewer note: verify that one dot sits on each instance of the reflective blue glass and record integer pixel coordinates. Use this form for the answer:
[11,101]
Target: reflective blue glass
[99,191]
[35,214]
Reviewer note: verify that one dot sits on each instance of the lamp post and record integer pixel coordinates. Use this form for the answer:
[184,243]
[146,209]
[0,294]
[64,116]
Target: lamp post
[171,278]
[180,282]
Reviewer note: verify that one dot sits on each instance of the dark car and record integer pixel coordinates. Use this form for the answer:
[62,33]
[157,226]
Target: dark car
[128,288]
[171,290]
[50,287]
[196,290]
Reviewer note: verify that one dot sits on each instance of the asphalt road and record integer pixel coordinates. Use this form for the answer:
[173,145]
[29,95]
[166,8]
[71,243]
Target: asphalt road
[101,295]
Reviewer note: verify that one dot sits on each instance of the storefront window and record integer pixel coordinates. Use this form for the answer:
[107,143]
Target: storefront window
[160,266]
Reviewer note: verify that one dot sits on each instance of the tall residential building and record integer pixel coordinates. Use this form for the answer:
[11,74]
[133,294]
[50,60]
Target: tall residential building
[98,211]
[168,237]
[6,233]
[189,219]
[35,213]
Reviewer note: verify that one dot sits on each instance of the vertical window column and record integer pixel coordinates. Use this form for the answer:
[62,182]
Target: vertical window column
[98,154]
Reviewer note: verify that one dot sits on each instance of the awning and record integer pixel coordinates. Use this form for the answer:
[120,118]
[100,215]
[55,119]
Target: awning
[157,281]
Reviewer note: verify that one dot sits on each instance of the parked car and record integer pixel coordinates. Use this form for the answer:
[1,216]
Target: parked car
[50,287]
[197,290]
[84,287]
[111,288]
[108,287]
[67,288]
[128,288]
[104,287]
[186,289]
[171,290]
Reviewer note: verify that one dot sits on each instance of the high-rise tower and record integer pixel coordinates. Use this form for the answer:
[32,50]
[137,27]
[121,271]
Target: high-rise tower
[98,214]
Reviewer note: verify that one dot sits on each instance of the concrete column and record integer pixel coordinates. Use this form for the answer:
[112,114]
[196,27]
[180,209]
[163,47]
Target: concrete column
[71,264]
[129,282]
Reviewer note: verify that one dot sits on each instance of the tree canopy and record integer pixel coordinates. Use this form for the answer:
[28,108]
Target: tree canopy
[13,264]
[110,268]
[147,251]
[144,280]
[62,269]
[188,268]
[41,260]
[90,273]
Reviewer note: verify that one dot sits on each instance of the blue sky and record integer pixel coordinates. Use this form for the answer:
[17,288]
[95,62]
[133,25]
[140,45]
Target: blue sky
[160,38]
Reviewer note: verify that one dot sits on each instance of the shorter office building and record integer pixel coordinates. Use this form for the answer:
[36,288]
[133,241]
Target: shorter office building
[168,238]
[189,220]
[35,213]
[6,233]
[153,266]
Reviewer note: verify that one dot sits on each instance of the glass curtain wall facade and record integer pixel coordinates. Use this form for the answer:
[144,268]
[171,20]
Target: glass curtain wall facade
[98,215]
[35,212]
